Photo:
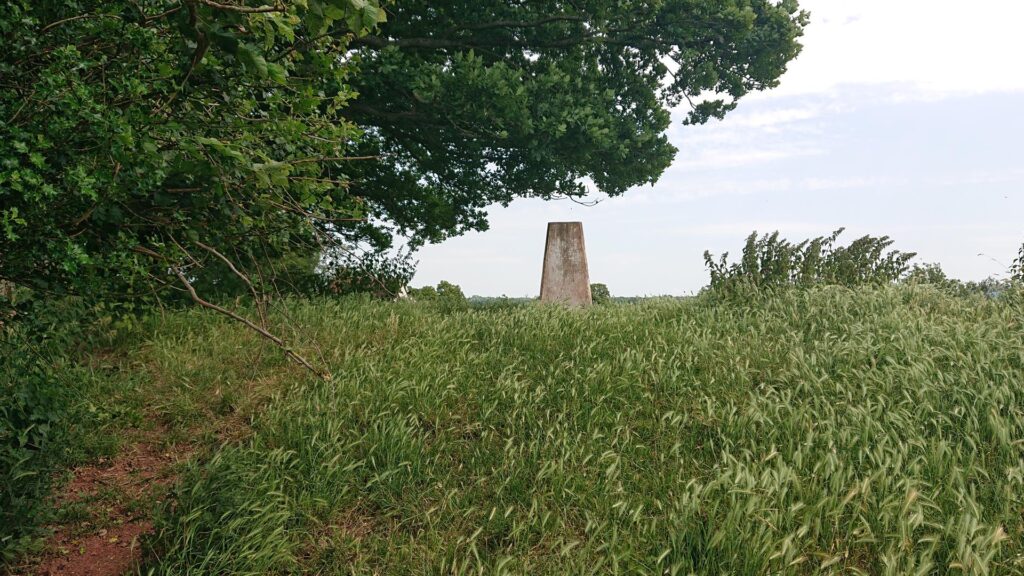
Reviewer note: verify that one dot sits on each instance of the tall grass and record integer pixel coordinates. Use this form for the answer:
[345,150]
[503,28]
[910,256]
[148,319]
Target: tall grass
[827,431]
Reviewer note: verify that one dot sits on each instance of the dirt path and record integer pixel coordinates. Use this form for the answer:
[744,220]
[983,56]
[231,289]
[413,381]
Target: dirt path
[106,507]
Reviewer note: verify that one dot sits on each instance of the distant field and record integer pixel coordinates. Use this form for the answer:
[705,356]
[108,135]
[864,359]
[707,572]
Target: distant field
[876,431]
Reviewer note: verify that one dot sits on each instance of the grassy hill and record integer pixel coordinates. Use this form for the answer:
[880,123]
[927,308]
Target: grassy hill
[873,431]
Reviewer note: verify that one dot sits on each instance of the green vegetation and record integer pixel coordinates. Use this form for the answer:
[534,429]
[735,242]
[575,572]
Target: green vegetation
[874,430]
[600,293]
[146,144]
[143,139]
[770,261]
[154,152]
[1018,265]
[58,408]
[446,296]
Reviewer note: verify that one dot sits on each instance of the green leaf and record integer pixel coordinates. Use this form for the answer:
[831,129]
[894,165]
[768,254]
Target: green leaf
[277,73]
[224,39]
[251,58]
[222,148]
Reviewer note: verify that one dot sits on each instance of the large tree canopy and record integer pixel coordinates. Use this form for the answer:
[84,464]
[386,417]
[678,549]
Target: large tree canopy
[471,102]
[140,139]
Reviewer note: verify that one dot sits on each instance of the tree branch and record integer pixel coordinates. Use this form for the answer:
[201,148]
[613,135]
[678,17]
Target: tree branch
[52,25]
[252,289]
[203,303]
[519,24]
[241,9]
[280,343]
[330,159]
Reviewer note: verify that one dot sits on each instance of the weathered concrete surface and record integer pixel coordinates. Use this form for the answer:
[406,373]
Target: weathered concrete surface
[565,278]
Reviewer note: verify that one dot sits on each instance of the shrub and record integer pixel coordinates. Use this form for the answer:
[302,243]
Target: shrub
[425,294]
[47,420]
[770,261]
[33,409]
[447,296]
[1018,266]
[933,275]
[450,297]
[599,294]
[379,274]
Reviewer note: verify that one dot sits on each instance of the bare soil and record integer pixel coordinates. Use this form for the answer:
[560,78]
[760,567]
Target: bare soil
[108,505]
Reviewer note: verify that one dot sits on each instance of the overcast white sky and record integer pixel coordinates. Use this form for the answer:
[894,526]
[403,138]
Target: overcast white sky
[900,118]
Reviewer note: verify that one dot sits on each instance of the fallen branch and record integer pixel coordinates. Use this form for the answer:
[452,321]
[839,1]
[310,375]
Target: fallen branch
[262,332]
[252,289]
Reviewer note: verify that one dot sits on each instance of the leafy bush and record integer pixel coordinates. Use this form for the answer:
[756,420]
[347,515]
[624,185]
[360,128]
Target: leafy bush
[48,417]
[33,409]
[425,294]
[1018,265]
[379,274]
[447,296]
[933,275]
[770,261]
[450,297]
[600,294]
[116,169]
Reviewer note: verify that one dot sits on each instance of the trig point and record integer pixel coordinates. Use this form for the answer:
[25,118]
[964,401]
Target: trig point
[565,278]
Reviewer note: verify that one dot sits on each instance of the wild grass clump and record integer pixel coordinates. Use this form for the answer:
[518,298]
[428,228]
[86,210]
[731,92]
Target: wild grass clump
[237,516]
[875,430]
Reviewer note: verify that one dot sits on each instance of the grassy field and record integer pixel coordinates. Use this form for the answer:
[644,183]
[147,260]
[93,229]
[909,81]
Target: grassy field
[829,431]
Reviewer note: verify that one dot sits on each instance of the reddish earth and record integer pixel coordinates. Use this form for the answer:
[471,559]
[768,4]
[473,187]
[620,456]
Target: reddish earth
[112,500]
[112,552]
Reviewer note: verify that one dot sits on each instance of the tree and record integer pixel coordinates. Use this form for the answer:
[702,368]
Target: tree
[145,140]
[142,140]
[474,102]
[600,293]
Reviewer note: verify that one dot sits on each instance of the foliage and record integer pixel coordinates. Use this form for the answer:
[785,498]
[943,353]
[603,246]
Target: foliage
[1018,266]
[600,294]
[424,293]
[143,141]
[446,296]
[46,421]
[476,102]
[450,296]
[379,274]
[142,138]
[33,407]
[933,275]
[869,430]
[770,261]
[928,273]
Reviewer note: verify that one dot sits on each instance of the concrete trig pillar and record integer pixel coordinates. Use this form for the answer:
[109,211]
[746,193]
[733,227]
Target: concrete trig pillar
[565,278]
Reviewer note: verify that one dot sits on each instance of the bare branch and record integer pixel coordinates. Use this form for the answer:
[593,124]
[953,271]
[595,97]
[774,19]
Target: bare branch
[259,330]
[280,343]
[242,9]
[520,24]
[331,159]
[252,289]
[52,25]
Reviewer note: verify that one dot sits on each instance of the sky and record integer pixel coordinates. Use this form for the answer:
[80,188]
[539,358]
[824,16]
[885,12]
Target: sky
[901,118]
